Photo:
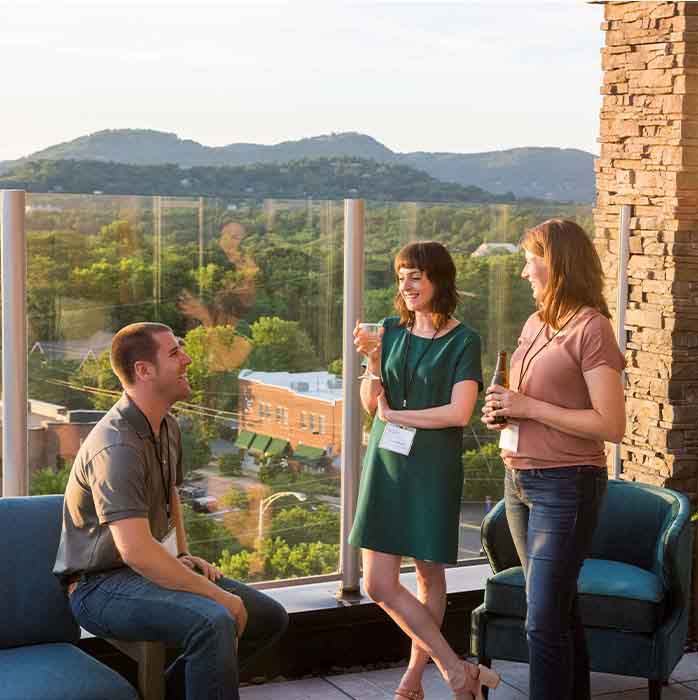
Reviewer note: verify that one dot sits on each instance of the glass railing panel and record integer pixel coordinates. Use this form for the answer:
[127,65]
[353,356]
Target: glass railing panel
[254,290]
[495,301]
[267,497]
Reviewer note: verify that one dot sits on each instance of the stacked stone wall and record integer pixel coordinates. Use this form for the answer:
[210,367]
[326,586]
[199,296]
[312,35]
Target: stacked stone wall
[649,160]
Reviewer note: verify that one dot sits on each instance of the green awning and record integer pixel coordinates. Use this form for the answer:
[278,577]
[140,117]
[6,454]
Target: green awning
[245,438]
[276,447]
[308,453]
[260,444]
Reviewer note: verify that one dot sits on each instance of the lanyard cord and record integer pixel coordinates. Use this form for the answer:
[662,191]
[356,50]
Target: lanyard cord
[158,454]
[405,384]
[525,366]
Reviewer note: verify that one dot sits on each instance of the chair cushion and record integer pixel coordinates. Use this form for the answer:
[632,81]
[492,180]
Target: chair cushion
[58,672]
[612,595]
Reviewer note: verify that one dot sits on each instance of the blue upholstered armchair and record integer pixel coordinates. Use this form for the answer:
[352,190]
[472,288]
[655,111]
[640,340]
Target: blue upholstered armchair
[634,587]
[38,656]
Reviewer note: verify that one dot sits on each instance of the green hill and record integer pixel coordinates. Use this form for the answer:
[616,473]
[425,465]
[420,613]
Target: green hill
[149,147]
[322,178]
[545,173]
[564,174]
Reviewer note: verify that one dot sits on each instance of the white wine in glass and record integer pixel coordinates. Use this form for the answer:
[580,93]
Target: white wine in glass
[370,334]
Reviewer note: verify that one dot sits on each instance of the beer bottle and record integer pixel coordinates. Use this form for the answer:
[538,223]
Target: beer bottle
[501,377]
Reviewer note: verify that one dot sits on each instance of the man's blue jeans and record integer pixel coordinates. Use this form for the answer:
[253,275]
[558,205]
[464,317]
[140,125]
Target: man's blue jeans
[552,515]
[124,605]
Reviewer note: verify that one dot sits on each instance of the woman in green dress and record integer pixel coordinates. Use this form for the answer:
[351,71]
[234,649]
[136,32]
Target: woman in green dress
[421,385]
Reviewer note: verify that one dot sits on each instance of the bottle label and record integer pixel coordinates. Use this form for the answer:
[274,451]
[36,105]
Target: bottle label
[509,438]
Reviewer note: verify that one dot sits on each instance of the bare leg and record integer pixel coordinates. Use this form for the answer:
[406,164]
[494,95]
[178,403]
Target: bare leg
[382,583]
[431,592]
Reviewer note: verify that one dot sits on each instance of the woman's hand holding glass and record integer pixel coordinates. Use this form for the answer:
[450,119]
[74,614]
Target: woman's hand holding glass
[367,340]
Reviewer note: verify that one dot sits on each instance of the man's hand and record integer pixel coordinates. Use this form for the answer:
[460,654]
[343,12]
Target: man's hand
[149,558]
[230,601]
[210,571]
[236,608]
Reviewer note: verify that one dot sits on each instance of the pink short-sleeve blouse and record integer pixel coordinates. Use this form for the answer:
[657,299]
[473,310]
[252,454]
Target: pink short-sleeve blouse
[556,375]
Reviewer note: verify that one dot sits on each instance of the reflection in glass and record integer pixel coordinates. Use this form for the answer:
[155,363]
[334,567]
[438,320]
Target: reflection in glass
[254,291]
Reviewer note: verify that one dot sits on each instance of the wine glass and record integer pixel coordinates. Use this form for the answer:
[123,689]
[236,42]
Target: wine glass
[370,334]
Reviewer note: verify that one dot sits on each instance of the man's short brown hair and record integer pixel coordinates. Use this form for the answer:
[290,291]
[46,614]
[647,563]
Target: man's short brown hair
[134,343]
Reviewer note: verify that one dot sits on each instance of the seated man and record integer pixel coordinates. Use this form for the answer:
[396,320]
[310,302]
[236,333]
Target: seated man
[121,501]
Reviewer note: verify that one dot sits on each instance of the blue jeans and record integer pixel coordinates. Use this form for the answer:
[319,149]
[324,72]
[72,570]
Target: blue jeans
[124,605]
[552,515]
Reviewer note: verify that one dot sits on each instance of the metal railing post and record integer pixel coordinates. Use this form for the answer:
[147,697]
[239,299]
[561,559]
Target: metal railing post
[351,402]
[621,305]
[13,258]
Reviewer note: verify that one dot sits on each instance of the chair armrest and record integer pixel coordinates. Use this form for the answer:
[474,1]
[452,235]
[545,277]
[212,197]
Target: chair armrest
[673,552]
[497,541]
[150,657]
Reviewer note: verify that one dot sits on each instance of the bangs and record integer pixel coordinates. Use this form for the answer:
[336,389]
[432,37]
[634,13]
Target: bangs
[412,257]
[434,260]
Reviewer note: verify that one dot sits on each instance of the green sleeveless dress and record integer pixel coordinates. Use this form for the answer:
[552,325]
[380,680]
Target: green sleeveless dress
[410,504]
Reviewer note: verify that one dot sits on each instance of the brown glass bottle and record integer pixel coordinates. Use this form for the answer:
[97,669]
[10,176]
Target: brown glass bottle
[501,377]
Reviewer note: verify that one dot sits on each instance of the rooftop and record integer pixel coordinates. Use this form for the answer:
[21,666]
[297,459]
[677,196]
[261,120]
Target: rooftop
[79,349]
[318,385]
[494,249]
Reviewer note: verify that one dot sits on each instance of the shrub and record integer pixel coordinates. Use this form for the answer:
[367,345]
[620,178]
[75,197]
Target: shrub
[230,464]
[49,481]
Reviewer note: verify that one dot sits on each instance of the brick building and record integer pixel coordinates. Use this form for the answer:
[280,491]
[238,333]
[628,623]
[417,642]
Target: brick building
[54,434]
[293,413]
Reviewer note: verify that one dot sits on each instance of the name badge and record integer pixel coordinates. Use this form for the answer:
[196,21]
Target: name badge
[397,438]
[509,438]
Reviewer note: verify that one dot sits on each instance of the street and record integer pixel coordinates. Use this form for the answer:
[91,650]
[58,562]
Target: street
[470,519]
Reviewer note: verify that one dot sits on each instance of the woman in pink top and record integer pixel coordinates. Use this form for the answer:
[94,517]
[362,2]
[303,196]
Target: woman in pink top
[566,399]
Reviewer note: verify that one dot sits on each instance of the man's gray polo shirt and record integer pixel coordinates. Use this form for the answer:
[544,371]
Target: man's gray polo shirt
[116,475]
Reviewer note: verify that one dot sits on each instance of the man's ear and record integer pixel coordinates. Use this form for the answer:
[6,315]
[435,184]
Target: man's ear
[143,370]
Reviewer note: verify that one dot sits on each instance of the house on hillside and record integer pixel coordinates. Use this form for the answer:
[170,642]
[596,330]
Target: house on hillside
[494,249]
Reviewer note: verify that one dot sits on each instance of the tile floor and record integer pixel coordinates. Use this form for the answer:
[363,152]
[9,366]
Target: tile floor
[377,685]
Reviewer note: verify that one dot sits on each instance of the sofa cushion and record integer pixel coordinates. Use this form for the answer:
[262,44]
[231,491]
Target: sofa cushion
[58,672]
[33,606]
[612,595]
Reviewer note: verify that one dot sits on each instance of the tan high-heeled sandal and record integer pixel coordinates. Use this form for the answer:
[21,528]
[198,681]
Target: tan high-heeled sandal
[485,676]
[410,694]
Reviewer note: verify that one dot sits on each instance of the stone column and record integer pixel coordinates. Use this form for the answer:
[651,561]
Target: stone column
[649,160]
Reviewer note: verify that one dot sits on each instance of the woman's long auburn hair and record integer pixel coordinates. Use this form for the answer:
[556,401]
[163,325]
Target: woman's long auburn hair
[575,276]
[431,258]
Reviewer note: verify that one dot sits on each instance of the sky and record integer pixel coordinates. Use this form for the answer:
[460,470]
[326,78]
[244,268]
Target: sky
[463,76]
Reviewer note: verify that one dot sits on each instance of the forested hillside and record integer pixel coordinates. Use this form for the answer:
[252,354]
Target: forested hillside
[323,178]
[561,174]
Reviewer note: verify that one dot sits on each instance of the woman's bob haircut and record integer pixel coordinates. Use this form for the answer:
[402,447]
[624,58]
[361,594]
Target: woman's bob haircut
[436,263]
[575,277]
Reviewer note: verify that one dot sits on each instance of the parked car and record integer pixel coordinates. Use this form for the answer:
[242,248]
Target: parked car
[204,504]
[190,493]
